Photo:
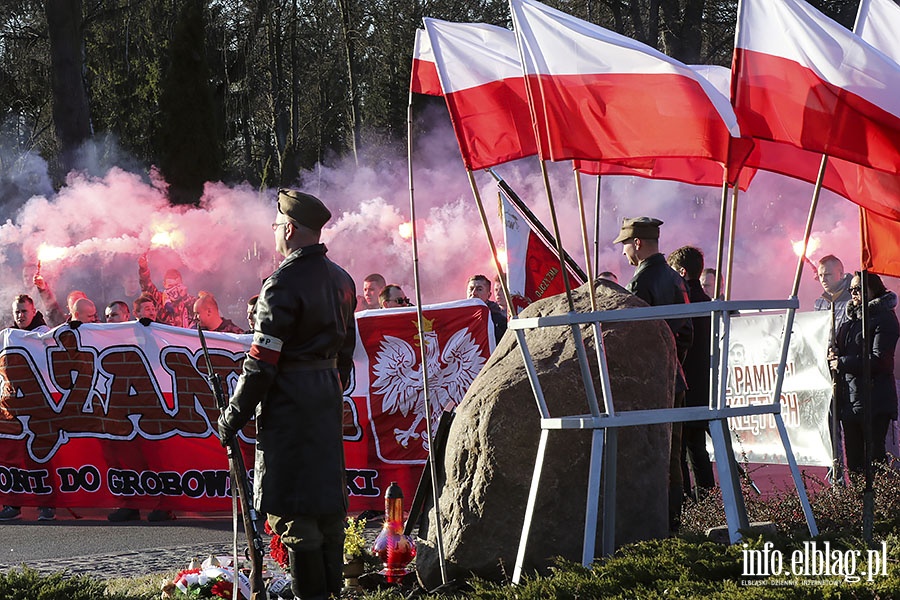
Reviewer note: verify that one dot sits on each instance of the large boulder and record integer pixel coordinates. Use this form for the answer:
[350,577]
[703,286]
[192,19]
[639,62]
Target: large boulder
[492,445]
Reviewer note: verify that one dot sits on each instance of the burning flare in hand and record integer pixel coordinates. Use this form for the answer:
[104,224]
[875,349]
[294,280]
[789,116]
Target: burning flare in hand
[47,252]
[811,247]
[166,236]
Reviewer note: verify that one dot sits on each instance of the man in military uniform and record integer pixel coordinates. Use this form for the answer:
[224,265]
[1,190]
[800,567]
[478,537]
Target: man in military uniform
[293,380]
[657,284]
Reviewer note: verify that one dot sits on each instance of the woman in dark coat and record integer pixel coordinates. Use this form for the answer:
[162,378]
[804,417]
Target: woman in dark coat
[848,363]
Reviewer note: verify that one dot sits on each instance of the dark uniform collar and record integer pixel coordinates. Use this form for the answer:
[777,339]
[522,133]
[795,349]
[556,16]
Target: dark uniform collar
[304,252]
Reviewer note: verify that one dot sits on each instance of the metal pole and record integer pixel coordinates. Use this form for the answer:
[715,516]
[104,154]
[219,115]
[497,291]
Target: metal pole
[420,325]
[868,492]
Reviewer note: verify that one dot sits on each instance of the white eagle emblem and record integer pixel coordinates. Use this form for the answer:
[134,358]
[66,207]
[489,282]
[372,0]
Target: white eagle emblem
[398,376]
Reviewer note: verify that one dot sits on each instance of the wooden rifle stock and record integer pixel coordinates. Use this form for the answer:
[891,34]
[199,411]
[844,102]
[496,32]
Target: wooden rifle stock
[240,485]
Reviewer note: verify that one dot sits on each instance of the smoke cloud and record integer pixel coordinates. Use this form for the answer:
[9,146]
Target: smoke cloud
[103,219]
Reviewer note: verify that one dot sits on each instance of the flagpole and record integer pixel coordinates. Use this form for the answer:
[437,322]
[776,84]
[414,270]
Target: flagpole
[731,232]
[788,329]
[490,238]
[720,244]
[597,223]
[868,491]
[420,325]
[585,241]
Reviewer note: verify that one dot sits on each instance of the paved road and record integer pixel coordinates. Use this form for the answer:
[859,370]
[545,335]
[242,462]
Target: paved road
[89,544]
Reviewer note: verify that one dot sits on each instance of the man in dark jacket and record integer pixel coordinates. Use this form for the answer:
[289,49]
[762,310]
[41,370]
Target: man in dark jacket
[27,317]
[657,284]
[293,380]
[687,261]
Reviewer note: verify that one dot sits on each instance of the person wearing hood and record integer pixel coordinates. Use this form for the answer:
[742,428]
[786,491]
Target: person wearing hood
[847,360]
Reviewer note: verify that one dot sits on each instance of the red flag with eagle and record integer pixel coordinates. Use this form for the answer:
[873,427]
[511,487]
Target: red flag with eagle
[458,339]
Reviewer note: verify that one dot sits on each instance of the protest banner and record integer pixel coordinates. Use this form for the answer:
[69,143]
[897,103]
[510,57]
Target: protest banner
[753,353]
[109,415]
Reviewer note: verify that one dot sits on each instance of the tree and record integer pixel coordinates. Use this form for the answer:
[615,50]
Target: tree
[189,140]
[71,113]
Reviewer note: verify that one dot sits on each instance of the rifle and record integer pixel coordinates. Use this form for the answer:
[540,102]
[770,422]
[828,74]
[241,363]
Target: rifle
[239,485]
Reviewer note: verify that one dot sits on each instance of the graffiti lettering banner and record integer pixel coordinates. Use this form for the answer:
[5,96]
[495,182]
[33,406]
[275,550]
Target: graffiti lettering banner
[110,415]
[753,354]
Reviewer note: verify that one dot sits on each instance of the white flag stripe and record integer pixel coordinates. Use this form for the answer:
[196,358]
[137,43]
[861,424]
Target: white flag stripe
[878,23]
[555,43]
[469,55]
[422,47]
[809,38]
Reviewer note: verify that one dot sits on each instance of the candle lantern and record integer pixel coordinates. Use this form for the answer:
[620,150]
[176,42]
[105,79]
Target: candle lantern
[394,549]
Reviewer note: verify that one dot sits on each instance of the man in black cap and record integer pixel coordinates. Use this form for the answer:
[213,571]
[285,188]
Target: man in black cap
[657,284]
[293,380]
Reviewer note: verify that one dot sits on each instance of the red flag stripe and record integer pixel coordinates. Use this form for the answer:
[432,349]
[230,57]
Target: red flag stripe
[492,123]
[481,75]
[779,100]
[626,116]
[424,78]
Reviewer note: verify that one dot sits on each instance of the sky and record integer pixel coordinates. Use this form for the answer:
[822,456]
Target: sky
[106,216]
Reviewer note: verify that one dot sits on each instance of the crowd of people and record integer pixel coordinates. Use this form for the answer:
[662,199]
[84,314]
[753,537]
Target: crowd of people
[303,330]
[172,306]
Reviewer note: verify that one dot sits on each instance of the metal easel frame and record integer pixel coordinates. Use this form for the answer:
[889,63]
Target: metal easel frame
[604,424]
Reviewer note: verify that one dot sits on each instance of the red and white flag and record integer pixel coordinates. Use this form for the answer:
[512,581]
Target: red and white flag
[598,95]
[481,77]
[692,170]
[424,77]
[878,23]
[802,79]
[532,266]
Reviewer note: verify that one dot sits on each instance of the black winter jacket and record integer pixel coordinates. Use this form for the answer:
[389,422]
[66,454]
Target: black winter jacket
[885,331]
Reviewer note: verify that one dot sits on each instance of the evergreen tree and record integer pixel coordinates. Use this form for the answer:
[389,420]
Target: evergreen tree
[189,149]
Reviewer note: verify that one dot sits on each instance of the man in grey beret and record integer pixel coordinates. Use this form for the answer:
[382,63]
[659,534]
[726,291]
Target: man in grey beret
[657,284]
[293,379]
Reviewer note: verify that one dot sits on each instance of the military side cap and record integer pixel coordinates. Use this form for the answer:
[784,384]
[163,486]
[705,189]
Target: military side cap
[305,209]
[645,228]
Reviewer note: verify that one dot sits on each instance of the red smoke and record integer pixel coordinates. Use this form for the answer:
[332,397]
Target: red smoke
[226,246]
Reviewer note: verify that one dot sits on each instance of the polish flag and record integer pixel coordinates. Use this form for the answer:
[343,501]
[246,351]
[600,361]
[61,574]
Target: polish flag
[424,78]
[532,267]
[598,95]
[691,170]
[695,171]
[878,23]
[802,79]
[481,76]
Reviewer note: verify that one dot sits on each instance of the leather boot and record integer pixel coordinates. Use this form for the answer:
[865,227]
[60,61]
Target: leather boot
[307,574]
[334,570]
